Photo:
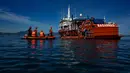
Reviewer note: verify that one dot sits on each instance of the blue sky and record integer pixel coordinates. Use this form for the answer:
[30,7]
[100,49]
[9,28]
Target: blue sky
[18,15]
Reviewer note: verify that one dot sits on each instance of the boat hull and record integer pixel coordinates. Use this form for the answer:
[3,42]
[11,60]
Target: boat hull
[39,38]
[93,33]
[96,37]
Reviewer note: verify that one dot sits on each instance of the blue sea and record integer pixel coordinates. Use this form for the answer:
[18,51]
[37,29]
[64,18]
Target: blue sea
[64,56]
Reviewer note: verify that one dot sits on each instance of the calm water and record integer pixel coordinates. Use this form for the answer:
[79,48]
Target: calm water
[64,56]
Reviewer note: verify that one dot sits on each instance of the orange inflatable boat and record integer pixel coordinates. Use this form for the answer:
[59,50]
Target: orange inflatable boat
[39,38]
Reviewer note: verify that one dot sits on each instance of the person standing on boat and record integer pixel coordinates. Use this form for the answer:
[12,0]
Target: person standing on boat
[42,34]
[34,33]
[51,31]
[85,32]
[30,31]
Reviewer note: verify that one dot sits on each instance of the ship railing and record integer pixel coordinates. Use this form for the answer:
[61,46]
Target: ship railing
[107,25]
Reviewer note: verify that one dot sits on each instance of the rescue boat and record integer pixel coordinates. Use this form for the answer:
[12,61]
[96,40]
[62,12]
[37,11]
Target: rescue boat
[42,36]
[38,38]
[87,28]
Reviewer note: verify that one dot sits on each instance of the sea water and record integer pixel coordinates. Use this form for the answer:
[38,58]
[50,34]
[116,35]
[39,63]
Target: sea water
[64,56]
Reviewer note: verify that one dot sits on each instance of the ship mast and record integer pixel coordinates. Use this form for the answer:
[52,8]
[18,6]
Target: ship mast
[75,12]
[69,12]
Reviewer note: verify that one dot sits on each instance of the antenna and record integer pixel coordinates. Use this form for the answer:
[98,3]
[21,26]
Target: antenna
[75,12]
[104,19]
[61,14]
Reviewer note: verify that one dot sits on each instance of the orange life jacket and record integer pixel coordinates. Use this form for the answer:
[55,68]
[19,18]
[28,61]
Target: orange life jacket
[33,34]
[51,31]
[42,34]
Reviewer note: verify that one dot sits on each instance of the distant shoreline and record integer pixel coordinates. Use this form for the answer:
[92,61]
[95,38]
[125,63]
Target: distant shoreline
[22,32]
[126,35]
[25,32]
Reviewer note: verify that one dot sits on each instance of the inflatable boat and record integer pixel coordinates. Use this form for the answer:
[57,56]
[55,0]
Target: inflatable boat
[38,38]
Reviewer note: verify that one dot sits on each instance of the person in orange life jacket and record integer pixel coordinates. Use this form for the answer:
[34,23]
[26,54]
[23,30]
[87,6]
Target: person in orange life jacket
[50,31]
[30,31]
[42,34]
[34,33]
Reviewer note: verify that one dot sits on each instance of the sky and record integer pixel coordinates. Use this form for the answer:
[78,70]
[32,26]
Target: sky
[18,15]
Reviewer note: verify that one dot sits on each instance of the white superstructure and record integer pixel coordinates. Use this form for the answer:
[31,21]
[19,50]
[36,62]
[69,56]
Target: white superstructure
[66,23]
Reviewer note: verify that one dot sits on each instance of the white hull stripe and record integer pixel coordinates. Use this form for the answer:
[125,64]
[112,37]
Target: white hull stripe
[106,25]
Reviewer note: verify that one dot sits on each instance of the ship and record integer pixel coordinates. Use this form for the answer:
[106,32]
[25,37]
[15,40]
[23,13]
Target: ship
[87,27]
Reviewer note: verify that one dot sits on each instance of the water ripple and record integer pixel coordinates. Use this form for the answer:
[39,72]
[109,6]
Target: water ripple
[62,56]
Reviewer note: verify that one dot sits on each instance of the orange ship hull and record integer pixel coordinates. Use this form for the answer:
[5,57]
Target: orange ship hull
[105,31]
[95,32]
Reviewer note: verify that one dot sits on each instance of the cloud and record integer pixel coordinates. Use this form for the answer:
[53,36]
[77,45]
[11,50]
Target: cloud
[20,20]
[0,9]
[12,17]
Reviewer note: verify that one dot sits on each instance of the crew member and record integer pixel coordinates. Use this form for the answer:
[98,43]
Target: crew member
[35,31]
[33,34]
[42,34]
[30,31]
[51,31]
[86,32]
